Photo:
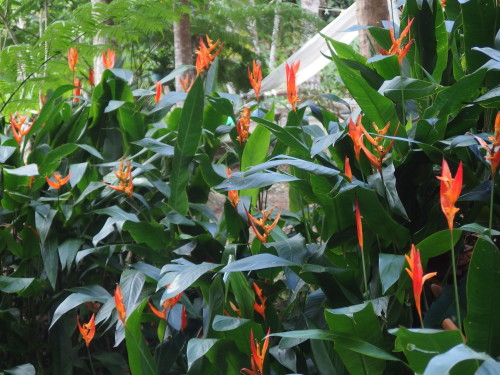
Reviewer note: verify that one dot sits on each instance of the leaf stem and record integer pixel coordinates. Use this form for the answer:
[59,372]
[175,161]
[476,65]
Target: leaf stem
[90,360]
[455,283]
[490,225]
[367,294]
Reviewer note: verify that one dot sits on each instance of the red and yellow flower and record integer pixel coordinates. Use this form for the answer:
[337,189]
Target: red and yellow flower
[72,58]
[59,180]
[125,180]
[232,194]
[87,330]
[108,58]
[450,189]
[243,125]
[255,78]
[18,127]
[91,77]
[258,355]
[158,91]
[359,225]
[291,87]
[167,306]
[395,48]
[206,54]
[417,276]
[260,307]
[78,90]
[120,306]
[261,223]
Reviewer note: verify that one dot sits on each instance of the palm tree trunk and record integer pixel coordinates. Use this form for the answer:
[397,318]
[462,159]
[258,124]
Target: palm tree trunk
[371,13]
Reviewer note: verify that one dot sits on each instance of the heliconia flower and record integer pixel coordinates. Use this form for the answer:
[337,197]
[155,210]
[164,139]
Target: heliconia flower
[78,90]
[291,87]
[183,319]
[158,91]
[255,77]
[108,58]
[356,134]
[167,306]
[443,3]
[258,355]
[359,225]
[206,55]
[42,98]
[347,169]
[261,223]
[259,307]
[396,43]
[60,181]
[232,194]
[87,330]
[417,276]
[125,178]
[187,82]
[120,306]
[243,125]
[72,58]
[91,77]
[450,189]
[381,150]
[17,127]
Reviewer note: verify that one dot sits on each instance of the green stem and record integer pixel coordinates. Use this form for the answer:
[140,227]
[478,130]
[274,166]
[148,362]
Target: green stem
[90,360]
[364,274]
[455,283]
[491,201]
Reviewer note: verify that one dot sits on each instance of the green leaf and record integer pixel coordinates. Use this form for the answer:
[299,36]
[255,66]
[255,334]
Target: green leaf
[77,172]
[197,348]
[224,323]
[421,345]
[390,267]
[67,252]
[6,152]
[243,293]
[443,363]
[83,294]
[490,99]
[140,360]
[14,284]
[362,324]
[482,326]
[254,153]
[404,88]
[151,234]
[289,160]
[26,369]
[190,127]
[238,182]
[346,340]
[26,170]
[156,146]
[436,244]
[131,284]
[257,262]
[117,213]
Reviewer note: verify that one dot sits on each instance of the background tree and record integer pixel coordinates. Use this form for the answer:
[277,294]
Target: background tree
[371,13]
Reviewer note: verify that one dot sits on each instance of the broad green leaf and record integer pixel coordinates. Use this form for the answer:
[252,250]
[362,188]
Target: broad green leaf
[404,88]
[156,146]
[43,220]
[490,99]
[421,345]
[190,127]
[223,323]
[289,160]
[197,348]
[131,284]
[26,170]
[14,284]
[67,252]
[436,244]
[442,47]
[346,340]
[26,369]
[53,158]
[362,324]
[390,268]
[114,105]
[77,171]
[489,367]
[254,153]
[140,360]
[482,326]
[84,294]
[257,262]
[443,363]
[243,294]
[117,213]
[257,180]
[151,234]
[215,304]
[6,152]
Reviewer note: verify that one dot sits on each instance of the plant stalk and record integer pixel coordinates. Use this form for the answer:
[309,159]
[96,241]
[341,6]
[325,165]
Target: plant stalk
[455,283]
[490,225]
[364,274]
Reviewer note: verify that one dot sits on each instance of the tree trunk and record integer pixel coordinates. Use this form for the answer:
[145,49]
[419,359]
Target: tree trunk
[274,36]
[183,50]
[371,13]
[99,40]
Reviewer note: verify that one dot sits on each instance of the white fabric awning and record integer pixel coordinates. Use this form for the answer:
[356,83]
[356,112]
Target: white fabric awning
[311,59]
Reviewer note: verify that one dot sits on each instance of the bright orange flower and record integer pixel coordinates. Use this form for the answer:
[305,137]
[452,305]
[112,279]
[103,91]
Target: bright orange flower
[356,134]
[443,3]
[232,194]
[91,77]
[291,87]
[108,58]
[125,178]
[158,91]
[243,125]
[167,306]
[377,161]
[120,306]
[347,169]
[187,82]
[17,127]
[72,58]
[258,355]
[259,307]
[255,77]
[205,54]
[267,229]
[87,330]
[359,225]
[417,276]
[396,43]
[493,150]
[450,191]
[60,181]
[78,90]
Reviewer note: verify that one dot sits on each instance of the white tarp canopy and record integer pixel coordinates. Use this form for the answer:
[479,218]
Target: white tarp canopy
[311,59]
